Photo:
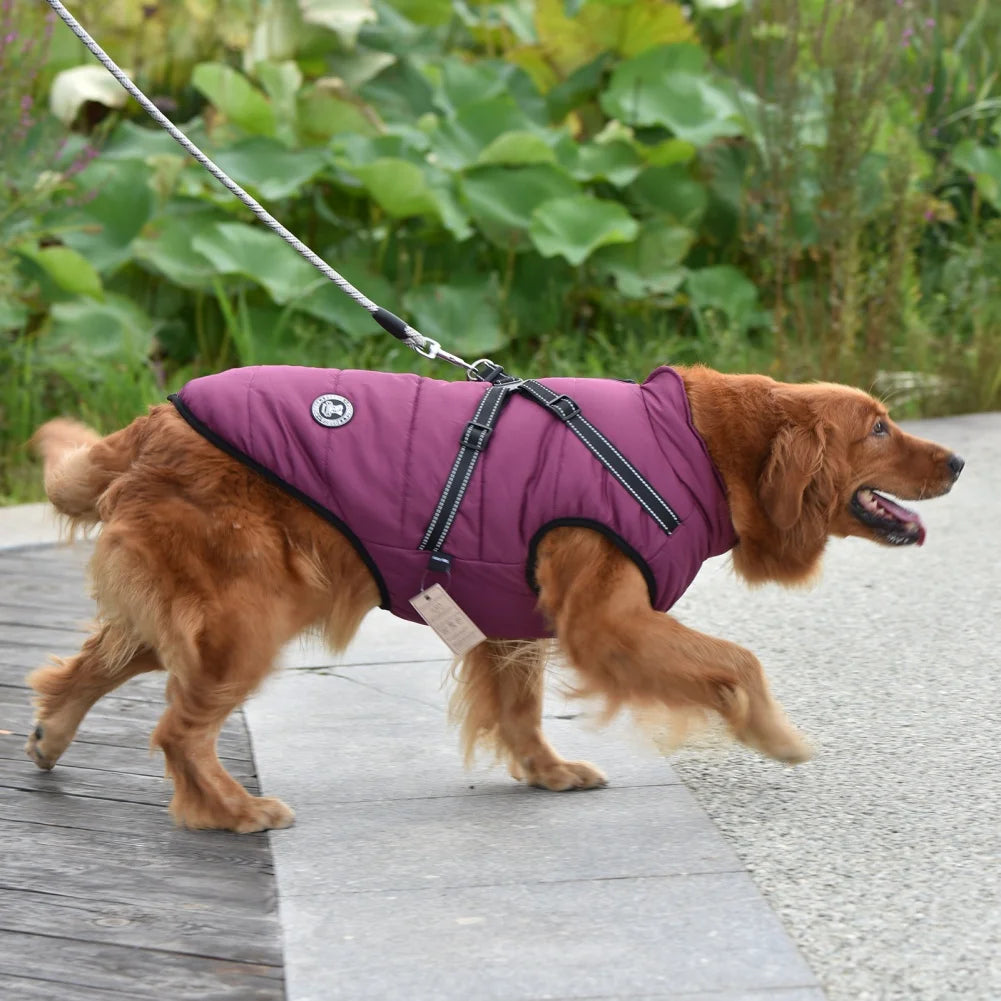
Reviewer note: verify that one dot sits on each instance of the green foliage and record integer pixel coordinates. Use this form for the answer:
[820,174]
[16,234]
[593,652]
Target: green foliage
[810,189]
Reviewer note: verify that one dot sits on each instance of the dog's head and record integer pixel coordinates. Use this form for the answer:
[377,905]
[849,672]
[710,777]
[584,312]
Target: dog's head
[805,462]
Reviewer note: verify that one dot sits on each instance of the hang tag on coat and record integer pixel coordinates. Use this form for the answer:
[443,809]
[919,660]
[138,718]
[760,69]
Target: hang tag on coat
[456,629]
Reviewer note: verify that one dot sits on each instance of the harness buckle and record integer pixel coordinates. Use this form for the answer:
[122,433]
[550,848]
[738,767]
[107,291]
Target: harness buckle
[475,436]
[564,407]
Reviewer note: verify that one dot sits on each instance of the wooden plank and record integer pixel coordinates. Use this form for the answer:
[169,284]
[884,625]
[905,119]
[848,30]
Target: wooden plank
[121,731]
[166,849]
[148,687]
[34,989]
[100,758]
[107,758]
[191,926]
[12,614]
[20,807]
[119,786]
[151,973]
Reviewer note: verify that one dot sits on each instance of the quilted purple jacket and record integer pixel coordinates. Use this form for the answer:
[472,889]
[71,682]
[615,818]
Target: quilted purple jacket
[375,458]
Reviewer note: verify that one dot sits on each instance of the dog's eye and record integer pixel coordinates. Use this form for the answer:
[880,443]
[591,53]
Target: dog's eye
[880,429]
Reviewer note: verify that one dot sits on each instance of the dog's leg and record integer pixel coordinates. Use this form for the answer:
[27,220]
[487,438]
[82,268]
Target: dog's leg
[499,700]
[66,689]
[200,698]
[630,654]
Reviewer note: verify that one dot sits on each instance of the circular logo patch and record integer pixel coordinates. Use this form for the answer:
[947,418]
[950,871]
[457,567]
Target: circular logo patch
[332,411]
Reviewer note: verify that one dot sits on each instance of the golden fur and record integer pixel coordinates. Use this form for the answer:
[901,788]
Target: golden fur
[204,569]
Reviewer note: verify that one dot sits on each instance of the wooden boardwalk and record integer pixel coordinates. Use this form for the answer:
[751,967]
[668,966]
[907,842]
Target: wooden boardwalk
[100,896]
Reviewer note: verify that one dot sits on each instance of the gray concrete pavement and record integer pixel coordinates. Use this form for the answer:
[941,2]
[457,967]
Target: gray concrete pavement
[883,855]
[407,877]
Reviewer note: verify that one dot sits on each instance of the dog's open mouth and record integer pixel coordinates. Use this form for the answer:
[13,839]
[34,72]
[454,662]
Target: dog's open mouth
[894,524]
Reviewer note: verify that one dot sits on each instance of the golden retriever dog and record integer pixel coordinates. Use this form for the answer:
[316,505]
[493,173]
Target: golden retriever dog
[179,589]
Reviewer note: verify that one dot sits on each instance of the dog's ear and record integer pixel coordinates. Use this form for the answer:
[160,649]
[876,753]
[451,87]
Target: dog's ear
[795,458]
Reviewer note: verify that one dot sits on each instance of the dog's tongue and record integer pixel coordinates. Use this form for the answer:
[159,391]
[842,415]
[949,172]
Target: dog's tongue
[910,519]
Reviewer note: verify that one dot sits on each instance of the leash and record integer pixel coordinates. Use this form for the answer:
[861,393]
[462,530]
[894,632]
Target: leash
[400,329]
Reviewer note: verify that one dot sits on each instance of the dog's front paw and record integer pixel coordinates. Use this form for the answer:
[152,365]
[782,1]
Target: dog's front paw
[789,747]
[563,775]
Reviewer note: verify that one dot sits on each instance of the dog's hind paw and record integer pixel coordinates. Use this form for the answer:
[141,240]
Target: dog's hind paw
[252,814]
[265,814]
[564,775]
[33,748]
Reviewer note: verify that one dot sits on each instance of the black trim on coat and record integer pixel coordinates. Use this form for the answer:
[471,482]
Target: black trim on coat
[221,443]
[597,526]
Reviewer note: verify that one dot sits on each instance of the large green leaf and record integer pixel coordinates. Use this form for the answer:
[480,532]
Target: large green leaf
[463,317]
[103,228]
[238,249]
[616,162]
[71,271]
[136,142]
[518,148]
[283,82]
[670,86]
[570,41]
[458,142]
[236,97]
[651,264]
[430,12]
[501,199]
[398,186]
[671,191]
[322,113]
[166,247]
[276,35]
[86,336]
[573,228]
[984,164]
[728,290]
[457,83]
[270,167]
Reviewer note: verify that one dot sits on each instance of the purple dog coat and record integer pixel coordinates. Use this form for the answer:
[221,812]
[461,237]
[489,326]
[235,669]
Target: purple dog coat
[371,452]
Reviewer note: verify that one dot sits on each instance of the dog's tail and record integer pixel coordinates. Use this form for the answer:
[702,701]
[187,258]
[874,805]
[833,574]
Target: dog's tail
[79,465]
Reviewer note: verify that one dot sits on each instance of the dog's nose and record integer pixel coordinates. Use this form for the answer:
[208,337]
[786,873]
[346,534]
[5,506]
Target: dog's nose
[955,463]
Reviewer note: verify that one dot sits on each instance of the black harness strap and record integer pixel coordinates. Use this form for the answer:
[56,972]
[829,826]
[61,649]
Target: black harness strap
[605,452]
[476,437]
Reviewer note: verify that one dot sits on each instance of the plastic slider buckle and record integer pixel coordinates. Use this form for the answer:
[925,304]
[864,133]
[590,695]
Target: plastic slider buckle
[564,407]
[439,563]
[475,436]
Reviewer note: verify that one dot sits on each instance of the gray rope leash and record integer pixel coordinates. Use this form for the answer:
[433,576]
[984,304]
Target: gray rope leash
[414,339]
